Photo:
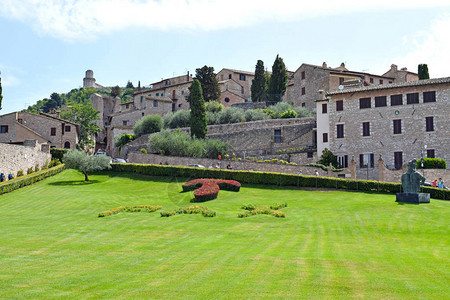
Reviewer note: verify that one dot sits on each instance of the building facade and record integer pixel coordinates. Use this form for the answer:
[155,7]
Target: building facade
[397,122]
[17,127]
[235,86]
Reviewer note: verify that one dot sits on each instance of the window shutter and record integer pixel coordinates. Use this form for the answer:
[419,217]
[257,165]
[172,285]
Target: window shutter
[361,160]
[372,160]
[345,161]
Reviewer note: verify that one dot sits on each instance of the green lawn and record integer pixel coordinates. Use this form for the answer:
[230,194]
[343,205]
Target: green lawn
[332,244]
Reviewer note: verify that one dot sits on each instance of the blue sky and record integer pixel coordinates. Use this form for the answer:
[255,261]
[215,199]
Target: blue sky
[47,45]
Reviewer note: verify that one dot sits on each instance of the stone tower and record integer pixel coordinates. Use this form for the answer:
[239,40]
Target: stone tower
[89,80]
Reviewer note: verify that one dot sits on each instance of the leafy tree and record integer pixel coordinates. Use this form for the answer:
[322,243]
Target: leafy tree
[85,163]
[209,84]
[327,158]
[127,95]
[1,97]
[116,91]
[49,104]
[259,83]
[129,85]
[148,124]
[198,111]
[57,98]
[123,139]
[214,106]
[423,72]
[85,115]
[277,82]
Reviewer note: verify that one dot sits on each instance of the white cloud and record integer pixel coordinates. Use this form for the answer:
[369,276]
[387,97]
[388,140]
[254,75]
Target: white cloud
[430,46]
[86,19]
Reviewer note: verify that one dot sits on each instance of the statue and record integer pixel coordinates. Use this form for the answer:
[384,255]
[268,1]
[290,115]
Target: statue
[411,181]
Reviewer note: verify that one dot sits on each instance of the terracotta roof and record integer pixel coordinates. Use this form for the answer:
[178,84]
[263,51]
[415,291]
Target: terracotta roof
[238,71]
[336,71]
[443,80]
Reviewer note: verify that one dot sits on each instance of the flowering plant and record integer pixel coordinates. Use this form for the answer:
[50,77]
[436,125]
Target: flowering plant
[208,189]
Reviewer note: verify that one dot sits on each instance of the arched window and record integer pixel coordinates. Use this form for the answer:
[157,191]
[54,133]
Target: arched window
[67,145]
[227,99]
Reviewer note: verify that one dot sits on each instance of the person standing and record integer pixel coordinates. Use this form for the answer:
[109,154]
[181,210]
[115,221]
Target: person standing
[440,183]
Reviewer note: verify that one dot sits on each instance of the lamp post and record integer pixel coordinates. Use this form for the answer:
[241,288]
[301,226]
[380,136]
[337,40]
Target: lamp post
[421,161]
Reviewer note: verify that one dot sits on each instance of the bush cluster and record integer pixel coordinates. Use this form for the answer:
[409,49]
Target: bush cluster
[431,163]
[280,179]
[58,153]
[197,209]
[179,143]
[137,208]
[252,210]
[208,189]
[19,173]
[216,114]
[148,124]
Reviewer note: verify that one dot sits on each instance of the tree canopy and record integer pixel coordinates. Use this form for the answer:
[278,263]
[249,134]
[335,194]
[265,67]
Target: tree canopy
[209,84]
[85,163]
[85,115]
[423,71]
[328,158]
[147,124]
[277,82]
[198,111]
[259,83]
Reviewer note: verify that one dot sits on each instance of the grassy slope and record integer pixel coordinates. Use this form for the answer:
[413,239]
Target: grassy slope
[331,244]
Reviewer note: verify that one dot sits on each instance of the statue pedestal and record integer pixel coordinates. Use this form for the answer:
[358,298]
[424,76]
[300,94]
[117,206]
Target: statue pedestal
[413,197]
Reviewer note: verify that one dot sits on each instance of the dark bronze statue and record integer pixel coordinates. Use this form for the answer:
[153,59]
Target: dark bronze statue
[412,179]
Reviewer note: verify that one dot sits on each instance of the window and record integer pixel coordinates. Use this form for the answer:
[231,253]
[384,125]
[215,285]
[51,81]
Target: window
[397,126]
[303,75]
[341,81]
[303,90]
[429,97]
[309,154]
[366,160]
[20,121]
[412,98]
[227,99]
[155,103]
[53,131]
[343,161]
[242,90]
[142,97]
[127,106]
[142,114]
[366,129]
[242,77]
[390,81]
[371,80]
[67,145]
[364,103]
[162,94]
[340,131]
[398,160]
[396,100]
[429,123]
[229,76]
[124,123]
[380,101]
[339,105]
[325,137]
[324,108]
[381,81]
[157,94]
[277,136]
[430,153]
[303,104]
[4,129]
[67,128]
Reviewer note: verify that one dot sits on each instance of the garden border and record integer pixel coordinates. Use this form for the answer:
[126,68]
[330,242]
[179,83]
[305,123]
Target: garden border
[272,178]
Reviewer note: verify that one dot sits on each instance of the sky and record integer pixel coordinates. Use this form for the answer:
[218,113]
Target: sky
[46,46]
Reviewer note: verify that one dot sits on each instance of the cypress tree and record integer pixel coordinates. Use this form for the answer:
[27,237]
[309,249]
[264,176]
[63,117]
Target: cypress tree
[278,81]
[259,83]
[209,84]
[198,111]
[423,72]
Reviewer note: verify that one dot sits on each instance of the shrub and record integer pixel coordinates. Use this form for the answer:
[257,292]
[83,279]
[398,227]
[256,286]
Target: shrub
[143,150]
[272,114]
[431,163]
[58,153]
[178,119]
[148,124]
[302,112]
[281,107]
[288,114]
[255,115]
[278,206]
[214,148]
[212,117]
[138,208]
[189,210]
[208,189]
[123,139]
[328,158]
[30,170]
[248,206]
[214,106]
[19,173]
[231,115]
[36,168]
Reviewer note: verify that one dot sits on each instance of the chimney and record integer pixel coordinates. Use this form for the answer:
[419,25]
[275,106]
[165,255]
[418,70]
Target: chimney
[187,76]
[394,67]
[324,65]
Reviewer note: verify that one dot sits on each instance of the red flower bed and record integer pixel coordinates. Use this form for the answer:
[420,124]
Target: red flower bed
[208,189]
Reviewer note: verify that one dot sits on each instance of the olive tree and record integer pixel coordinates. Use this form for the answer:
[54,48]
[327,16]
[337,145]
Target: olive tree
[86,163]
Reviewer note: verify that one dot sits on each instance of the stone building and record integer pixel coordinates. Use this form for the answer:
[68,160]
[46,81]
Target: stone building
[306,82]
[398,122]
[235,86]
[89,80]
[17,127]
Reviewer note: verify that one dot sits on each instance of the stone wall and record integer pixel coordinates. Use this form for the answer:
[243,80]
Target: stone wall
[396,175]
[136,157]
[15,157]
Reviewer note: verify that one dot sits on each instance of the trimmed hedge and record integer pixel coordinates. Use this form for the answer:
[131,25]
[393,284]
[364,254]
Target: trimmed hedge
[431,163]
[11,185]
[270,178]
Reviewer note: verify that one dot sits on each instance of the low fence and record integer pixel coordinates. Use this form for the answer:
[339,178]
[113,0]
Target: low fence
[19,182]
[271,178]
